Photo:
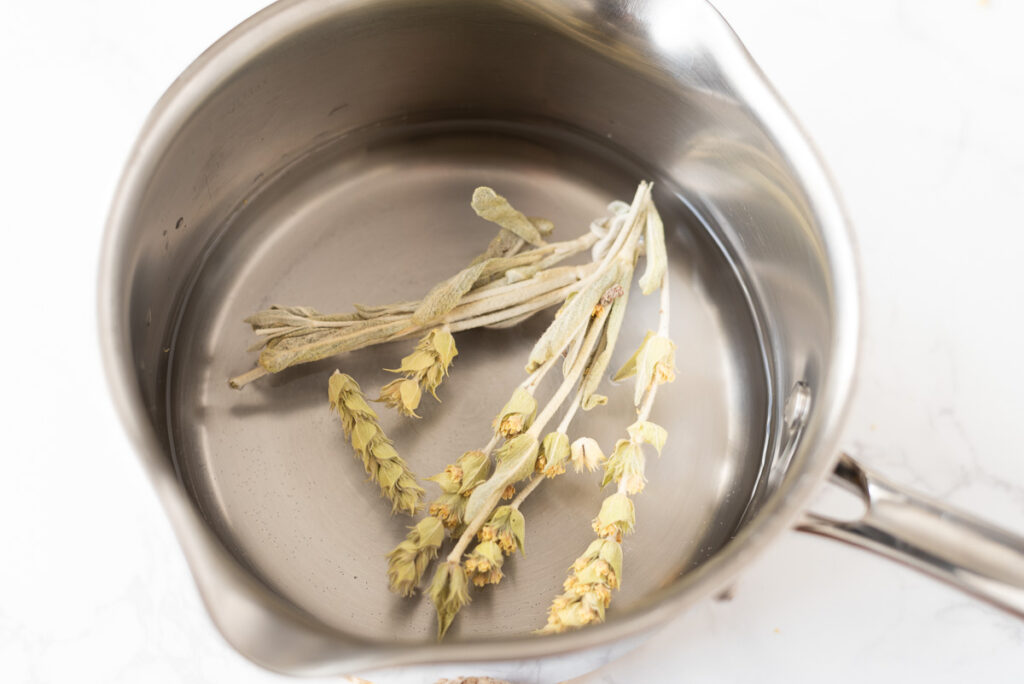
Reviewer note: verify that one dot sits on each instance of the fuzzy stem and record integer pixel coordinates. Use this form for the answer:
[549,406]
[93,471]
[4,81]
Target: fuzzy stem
[240,381]
[570,412]
[525,492]
[533,306]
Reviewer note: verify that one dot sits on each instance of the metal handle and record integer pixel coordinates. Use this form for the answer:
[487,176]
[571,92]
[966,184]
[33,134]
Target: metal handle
[970,554]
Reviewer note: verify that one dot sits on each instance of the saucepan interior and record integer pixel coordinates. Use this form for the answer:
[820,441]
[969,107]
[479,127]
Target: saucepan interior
[331,161]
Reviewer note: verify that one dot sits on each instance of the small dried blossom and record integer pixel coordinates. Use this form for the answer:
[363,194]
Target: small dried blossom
[517,415]
[507,527]
[626,465]
[424,370]
[616,518]
[644,431]
[554,452]
[457,482]
[450,509]
[586,454]
[403,395]
[483,563]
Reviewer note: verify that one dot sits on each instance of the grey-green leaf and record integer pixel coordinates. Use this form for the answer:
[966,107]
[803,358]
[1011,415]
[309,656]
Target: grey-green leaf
[575,315]
[495,208]
[446,295]
[603,356]
[654,244]
[328,342]
[515,460]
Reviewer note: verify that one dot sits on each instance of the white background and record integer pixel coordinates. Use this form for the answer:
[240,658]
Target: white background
[918,108]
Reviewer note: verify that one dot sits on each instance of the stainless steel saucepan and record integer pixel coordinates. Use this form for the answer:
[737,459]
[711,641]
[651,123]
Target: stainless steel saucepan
[323,153]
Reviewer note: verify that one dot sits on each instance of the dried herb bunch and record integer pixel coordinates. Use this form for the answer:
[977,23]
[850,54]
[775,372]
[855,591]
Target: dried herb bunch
[582,337]
[518,275]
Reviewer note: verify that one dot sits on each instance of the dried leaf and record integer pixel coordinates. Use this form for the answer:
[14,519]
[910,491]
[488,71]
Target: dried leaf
[281,316]
[544,226]
[616,518]
[517,414]
[414,363]
[327,342]
[446,295]
[369,312]
[517,526]
[629,368]
[575,315]
[495,208]
[603,355]
[410,395]
[555,451]
[444,345]
[657,260]
[403,395]
[476,466]
[505,243]
[572,352]
[646,431]
[447,483]
[515,460]
[655,365]
[626,458]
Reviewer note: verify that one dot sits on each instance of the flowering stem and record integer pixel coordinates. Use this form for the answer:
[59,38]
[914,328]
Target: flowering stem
[593,334]
[643,412]
[556,401]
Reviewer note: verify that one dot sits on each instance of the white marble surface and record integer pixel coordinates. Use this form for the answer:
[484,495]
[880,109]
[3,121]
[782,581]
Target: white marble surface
[918,108]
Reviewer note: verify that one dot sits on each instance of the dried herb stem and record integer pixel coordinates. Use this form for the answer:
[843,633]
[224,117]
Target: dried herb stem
[527,490]
[517,313]
[629,233]
[595,574]
[240,381]
[473,527]
[589,343]
[483,312]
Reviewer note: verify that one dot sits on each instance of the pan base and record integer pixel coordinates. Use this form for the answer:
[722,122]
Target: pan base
[380,216]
